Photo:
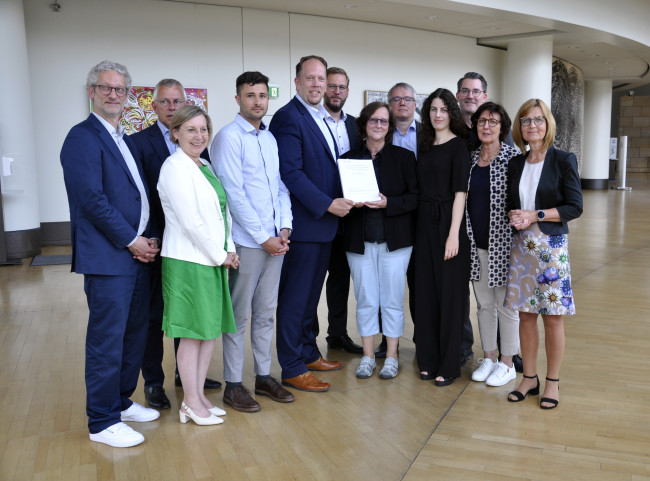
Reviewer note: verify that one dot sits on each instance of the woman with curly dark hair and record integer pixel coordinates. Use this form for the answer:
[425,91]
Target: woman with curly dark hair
[441,252]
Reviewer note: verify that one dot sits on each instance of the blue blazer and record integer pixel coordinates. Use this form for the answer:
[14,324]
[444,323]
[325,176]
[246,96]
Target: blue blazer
[308,170]
[559,187]
[104,200]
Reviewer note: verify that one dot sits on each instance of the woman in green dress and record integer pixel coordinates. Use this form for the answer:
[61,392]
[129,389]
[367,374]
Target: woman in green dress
[197,250]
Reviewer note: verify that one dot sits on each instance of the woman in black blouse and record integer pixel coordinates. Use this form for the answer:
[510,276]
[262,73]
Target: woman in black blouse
[379,238]
[544,194]
[441,252]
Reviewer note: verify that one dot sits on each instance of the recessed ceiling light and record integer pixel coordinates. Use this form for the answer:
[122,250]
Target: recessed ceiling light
[494,28]
[595,55]
[433,17]
[573,46]
[350,6]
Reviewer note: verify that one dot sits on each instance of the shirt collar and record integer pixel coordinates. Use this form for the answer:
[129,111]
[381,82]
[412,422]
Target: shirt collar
[246,125]
[119,132]
[163,129]
[328,116]
[311,108]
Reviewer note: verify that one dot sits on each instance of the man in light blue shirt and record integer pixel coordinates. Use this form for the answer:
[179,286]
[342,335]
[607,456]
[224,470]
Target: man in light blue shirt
[401,98]
[246,162]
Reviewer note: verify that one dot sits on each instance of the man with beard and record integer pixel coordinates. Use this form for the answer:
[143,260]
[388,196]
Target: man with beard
[337,288]
[249,170]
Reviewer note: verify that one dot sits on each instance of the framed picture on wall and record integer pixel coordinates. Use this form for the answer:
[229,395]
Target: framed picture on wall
[382,96]
[138,112]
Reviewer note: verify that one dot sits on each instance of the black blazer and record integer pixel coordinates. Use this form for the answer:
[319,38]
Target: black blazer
[351,127]
[559,187]
[398,181]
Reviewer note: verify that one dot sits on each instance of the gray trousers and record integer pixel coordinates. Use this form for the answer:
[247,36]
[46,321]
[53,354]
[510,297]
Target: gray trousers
[253,287]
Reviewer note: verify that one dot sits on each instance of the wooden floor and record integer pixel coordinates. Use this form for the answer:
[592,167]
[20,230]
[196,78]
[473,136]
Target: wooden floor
[362,429]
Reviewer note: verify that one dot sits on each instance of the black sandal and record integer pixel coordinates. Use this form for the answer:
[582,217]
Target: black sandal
[520,397]
[446,381]
[554,402]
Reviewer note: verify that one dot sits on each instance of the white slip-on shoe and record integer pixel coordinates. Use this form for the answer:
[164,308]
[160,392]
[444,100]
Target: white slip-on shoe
[366,367]
[119,435]
[139,414]
[389,371]
[485,368]
[501,375]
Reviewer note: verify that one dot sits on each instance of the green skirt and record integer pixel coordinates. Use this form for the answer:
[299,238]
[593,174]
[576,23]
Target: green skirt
[197,300]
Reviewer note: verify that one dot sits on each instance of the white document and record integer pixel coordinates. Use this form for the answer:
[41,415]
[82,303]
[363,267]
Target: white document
[358,180]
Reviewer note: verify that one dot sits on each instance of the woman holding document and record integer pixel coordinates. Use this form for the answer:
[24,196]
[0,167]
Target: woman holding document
[379,237]
[442,252]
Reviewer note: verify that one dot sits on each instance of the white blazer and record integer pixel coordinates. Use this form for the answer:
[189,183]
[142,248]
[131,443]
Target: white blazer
[194,227]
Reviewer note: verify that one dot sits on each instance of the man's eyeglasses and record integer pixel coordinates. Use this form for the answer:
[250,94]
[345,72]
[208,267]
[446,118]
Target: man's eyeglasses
[398,100]
[106,90]
[490,122]
[168,102]
[474,92]
[375,121]
[525,121]
[333,87]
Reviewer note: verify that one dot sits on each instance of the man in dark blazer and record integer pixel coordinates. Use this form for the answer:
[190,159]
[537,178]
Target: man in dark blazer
[337,287]
[109,220]
[308,154]
[154,146]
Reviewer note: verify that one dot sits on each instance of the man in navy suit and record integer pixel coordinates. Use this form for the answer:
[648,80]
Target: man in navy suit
[308,154]
[109,219]
[154,146]
[337,287]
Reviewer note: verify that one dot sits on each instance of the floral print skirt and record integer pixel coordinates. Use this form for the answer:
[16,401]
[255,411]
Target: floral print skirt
[539,278]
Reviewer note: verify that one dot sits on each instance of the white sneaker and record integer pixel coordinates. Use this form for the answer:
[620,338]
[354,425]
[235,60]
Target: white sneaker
[119,435]
[139,414]
[486,367]
[501,375]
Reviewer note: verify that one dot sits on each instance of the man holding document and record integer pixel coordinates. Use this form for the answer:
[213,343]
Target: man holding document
[379,232]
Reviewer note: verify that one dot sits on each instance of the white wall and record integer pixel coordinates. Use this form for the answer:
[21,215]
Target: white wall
[208,46]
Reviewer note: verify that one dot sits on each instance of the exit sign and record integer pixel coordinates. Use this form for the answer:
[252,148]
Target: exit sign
[274,91]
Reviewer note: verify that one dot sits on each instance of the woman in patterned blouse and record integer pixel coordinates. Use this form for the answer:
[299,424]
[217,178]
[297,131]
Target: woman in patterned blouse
[490,237]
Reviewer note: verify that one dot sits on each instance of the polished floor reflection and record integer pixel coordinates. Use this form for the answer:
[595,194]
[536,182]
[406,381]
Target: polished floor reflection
[362,429]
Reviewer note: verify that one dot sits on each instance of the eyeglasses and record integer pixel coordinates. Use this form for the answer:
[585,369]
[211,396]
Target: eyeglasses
[375,121]
[398,100]
[167,102]
[192,131]
[333,87]
[474,92]
[490,122]
[106,90]
[525,121]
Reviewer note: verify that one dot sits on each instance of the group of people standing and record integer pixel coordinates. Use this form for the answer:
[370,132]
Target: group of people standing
[248,231]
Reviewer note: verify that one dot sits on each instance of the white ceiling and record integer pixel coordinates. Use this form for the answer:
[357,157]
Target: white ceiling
[597,54]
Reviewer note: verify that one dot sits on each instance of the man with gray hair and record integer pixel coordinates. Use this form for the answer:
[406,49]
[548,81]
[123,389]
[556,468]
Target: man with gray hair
[109,219]
[401,98]
[154,146]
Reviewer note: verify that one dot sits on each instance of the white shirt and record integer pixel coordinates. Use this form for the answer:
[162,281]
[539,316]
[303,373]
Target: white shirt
[340,131]
[528,184]
[117,135]
[318,114]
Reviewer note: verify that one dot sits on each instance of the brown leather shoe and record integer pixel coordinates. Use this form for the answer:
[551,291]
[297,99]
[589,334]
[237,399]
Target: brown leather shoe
[240,399]
[307,382]
[324,365]
[272,389]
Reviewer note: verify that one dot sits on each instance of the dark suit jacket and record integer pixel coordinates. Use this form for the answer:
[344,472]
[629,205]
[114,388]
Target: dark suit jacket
[153,151]
[398,182]
[104,200]
[351,126]
[559,187]
[308,170]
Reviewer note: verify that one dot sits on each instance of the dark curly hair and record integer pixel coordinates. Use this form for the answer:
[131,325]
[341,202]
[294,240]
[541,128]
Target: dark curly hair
[456,123]
[366,113]
[493,108]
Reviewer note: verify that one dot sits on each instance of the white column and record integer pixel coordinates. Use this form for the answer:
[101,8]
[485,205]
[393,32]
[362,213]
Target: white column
[20,190]
[529,72]
[598,114]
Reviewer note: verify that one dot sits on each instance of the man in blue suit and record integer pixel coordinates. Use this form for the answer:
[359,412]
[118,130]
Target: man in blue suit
[154,146]
[308,154]
[109,219]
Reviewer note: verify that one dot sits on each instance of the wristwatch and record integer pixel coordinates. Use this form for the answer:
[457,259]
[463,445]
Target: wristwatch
[540,215]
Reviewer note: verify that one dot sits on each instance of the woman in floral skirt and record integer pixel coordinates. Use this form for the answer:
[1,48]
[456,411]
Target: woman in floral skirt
[544,194]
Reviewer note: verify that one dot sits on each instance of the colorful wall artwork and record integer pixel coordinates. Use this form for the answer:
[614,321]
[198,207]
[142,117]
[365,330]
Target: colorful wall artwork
[138,113]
